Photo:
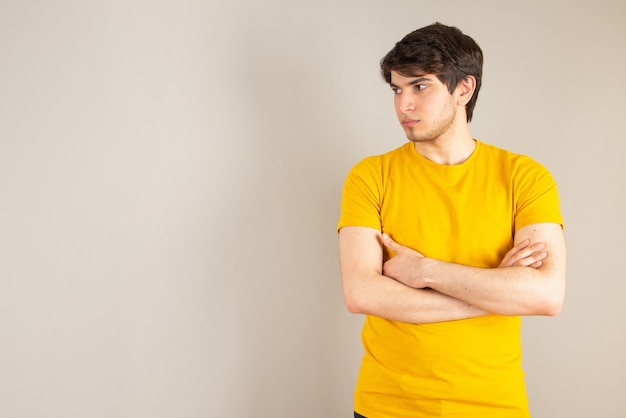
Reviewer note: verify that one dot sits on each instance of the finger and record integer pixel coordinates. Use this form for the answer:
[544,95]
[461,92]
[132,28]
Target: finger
[538,246]
[512,256]
[531,259]
[390,243]
[527,252]
[524,254]
[520,245]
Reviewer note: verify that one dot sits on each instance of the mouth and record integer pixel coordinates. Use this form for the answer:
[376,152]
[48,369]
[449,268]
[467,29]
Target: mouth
[409,123]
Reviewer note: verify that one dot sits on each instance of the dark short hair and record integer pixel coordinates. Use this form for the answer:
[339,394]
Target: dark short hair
[441,50]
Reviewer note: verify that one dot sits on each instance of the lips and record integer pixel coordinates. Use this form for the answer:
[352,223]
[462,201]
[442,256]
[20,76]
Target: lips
[408,123]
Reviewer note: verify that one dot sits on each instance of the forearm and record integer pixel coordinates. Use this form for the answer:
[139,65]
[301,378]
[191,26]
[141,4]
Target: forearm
[505,291]
[386,298]
[529,281]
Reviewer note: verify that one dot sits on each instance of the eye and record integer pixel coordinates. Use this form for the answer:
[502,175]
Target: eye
[396,90]
[420,86]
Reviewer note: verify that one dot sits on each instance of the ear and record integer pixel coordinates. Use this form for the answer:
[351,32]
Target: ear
[465,90]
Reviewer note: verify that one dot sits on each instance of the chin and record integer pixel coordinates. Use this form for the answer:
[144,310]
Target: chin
[419,140]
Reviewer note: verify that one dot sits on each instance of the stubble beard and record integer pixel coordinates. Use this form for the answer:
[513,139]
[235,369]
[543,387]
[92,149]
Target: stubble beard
[438,128]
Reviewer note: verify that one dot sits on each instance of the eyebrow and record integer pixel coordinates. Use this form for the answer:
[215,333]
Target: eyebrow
[413,82]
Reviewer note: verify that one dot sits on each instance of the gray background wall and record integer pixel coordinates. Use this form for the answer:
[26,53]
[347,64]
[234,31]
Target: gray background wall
[170,175]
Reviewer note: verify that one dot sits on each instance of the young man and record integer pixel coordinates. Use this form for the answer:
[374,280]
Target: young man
[444,243]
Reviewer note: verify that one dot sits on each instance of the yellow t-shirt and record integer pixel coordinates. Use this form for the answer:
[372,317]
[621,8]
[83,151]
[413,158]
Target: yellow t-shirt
[466,214]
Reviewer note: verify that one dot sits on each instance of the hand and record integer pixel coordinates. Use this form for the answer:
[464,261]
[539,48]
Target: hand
[525,255]
[406,267]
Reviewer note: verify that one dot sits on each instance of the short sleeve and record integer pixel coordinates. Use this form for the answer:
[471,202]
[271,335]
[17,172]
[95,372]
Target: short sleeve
[536,195]
[361,199]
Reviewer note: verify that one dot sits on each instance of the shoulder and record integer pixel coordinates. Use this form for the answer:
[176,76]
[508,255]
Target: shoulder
[518,164]
[492,151]
[379,163]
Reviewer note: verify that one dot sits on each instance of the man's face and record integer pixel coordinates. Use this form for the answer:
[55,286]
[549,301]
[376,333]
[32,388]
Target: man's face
[425,108]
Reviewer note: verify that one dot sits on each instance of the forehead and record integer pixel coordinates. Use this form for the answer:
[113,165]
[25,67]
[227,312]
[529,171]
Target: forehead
[398,79]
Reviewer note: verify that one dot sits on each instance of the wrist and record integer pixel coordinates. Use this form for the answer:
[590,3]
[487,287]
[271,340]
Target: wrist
[429,276]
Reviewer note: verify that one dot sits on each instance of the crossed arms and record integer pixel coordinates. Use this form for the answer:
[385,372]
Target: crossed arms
[412,288]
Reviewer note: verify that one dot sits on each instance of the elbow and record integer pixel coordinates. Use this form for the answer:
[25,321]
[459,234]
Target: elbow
[552,303]
[355,303]
[353,308]
[552,308]
[555,307]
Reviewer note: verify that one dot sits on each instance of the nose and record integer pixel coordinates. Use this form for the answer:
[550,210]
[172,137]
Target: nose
[405,102]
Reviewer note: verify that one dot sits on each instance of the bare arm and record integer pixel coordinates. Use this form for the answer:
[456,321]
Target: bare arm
[367,291]
[513,290]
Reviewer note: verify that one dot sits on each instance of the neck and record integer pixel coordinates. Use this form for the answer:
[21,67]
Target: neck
[450,149]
